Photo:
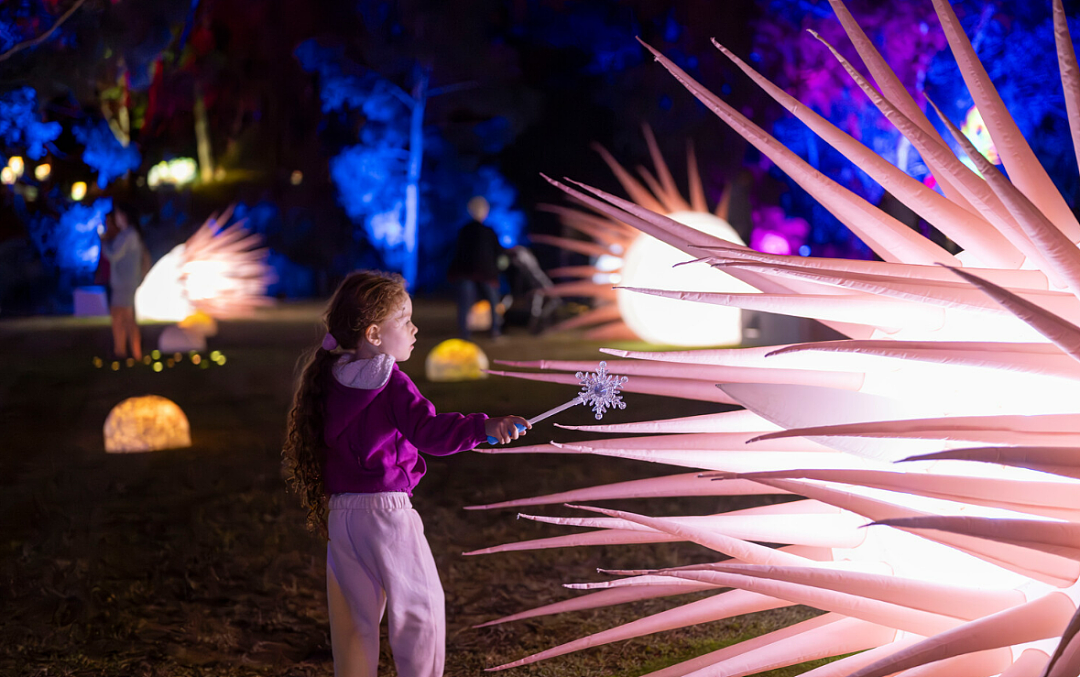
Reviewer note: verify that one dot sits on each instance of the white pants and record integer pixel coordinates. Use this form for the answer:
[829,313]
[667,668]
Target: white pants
[377,555]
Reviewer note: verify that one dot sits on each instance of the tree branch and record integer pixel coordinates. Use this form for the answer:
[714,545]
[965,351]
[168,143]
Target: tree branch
[449,89]
[44,36]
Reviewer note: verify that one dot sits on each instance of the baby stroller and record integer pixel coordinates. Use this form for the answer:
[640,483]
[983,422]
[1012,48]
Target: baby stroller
[528,282]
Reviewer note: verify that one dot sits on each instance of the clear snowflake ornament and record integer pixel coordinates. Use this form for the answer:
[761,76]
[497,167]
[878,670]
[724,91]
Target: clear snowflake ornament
[600,390]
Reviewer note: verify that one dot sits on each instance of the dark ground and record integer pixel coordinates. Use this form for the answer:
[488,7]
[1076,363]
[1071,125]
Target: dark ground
[196,562]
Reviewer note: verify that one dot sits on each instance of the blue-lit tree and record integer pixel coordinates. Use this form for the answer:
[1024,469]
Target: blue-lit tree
[379,179]
[104,153]
[21,128]
[49,51]
[1015,40]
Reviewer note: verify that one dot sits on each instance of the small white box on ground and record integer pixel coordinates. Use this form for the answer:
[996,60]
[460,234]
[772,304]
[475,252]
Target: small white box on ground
[90,301]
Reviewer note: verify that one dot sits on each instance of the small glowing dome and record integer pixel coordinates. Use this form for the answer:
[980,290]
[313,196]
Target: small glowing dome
[7,176]
[296,178]
[479,318]
[200,323]
[649,264]
[78,190]
[42,171]
[456,360]
[147,423]
[17,164]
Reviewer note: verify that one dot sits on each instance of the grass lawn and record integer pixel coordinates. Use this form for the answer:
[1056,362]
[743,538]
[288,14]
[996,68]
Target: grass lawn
[196,561]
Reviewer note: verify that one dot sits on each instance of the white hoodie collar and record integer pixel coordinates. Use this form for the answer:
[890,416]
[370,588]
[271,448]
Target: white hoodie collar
[364,374]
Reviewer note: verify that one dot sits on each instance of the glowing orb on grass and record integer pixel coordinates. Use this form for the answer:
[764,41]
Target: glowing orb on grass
[147,423]
[649,263]
[456,360]
[200,322]
[479,318]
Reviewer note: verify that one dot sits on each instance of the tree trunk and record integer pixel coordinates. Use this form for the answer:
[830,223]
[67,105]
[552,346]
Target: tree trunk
[202,139]
[412,188]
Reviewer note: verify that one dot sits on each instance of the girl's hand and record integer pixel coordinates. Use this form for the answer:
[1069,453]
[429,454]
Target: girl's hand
[506,428]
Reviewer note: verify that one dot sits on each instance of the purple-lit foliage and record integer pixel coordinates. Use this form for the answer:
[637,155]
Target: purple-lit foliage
[1013,38]
[786,52]
[775,233]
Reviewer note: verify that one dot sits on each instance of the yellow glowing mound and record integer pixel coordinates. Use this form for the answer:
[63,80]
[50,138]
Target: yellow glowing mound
[456,360]
[147,423]
[201,323]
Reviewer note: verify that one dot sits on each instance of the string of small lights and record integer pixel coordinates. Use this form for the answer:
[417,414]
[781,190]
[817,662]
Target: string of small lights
[159,362]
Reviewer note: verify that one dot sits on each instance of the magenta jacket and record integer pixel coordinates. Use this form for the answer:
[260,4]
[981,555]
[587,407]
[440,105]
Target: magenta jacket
[375,423]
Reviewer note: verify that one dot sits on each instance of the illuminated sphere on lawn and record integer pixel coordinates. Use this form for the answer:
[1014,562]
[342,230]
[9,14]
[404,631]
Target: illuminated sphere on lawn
[649,263]
[622,256]
[456,360]
[146,423]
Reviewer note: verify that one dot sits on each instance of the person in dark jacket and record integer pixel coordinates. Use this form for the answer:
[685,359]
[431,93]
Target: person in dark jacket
[475,267]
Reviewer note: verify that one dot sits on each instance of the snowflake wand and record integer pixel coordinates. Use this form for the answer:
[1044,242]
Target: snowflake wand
[599,389]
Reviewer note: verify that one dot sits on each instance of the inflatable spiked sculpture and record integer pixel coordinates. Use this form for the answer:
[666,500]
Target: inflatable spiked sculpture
[936,451]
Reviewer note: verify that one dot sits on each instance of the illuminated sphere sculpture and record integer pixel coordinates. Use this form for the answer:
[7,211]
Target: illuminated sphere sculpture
[948,422]
[220,271]
[623,257]
[147,423]
[456,360]
[650,263]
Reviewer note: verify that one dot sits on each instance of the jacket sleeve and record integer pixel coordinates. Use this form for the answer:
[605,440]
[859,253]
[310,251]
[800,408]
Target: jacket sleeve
[431,432]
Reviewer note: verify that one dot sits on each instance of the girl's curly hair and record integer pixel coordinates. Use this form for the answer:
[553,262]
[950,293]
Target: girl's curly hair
[362,299]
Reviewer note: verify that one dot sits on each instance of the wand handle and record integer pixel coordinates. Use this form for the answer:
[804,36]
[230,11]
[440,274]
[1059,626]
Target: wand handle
[552,412]
[541,417]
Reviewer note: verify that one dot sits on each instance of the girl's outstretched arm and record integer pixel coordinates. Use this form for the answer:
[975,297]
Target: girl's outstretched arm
[431,432]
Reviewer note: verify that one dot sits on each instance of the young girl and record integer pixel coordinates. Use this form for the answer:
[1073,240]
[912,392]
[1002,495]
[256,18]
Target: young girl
[355,427]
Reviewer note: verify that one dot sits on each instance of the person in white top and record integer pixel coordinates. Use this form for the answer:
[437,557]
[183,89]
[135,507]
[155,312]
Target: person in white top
[123,247]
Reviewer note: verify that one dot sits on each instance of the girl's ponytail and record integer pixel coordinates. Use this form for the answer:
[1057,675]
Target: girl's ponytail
[303,450]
